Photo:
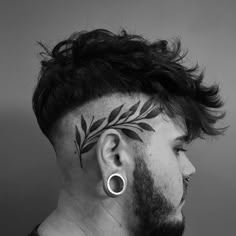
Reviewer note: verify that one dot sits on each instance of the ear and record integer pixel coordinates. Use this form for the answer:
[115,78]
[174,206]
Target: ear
[114,159]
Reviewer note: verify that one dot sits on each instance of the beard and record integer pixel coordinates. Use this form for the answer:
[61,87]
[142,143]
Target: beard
[151,207]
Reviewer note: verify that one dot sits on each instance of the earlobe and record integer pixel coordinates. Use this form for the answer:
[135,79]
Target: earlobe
[115,185]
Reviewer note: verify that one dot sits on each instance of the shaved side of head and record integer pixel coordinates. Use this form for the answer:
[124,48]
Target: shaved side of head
[78,126]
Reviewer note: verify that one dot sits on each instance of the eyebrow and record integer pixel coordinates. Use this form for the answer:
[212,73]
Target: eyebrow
[183,138]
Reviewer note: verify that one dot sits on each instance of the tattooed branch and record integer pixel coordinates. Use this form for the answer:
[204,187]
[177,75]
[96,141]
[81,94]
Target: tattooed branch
[126,122]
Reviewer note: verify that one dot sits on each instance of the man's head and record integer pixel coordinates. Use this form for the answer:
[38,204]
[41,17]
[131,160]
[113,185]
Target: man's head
[120,104]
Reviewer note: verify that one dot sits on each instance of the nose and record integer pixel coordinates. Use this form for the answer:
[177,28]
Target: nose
[186,166]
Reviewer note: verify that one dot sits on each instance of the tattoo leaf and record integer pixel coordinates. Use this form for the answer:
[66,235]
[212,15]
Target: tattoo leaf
[134,108]
[114,113]
[125,114]
[77,136]
[131,134]
[83,124]
[154,112]
[145,126]
[88,147]
[96,124]
[146,106]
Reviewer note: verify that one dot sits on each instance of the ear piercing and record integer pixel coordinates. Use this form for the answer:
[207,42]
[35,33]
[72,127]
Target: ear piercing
[115,185]
[187,178]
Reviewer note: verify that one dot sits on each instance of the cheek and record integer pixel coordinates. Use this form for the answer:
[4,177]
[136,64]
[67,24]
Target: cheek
[166,174]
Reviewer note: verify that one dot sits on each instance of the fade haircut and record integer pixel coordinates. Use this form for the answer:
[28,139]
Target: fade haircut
[91,64]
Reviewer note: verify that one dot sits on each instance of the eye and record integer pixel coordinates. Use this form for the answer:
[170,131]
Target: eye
[179,149]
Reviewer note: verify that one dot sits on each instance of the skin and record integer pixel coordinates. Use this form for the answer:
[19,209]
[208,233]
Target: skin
[167,165]
[84,208]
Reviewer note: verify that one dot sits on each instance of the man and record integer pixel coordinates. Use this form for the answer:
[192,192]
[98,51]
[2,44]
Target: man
[119,111]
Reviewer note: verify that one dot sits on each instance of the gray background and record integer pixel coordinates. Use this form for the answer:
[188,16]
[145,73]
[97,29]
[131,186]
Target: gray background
[29,177]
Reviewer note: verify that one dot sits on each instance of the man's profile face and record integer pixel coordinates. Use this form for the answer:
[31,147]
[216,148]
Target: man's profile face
[159,187]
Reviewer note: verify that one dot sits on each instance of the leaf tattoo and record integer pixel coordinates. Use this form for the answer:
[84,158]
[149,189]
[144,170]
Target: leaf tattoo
[96,124]
[146,106]
[114,113]
[131,134]
[134,108]
[77,136]
[125,122]
[83,124]
[153,113]
[125,115]
[88,147]
[145,126]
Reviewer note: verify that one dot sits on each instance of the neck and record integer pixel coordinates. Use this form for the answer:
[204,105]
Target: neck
[86,216]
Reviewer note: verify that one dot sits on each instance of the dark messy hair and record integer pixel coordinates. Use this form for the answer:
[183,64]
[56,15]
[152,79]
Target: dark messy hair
[94,63]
